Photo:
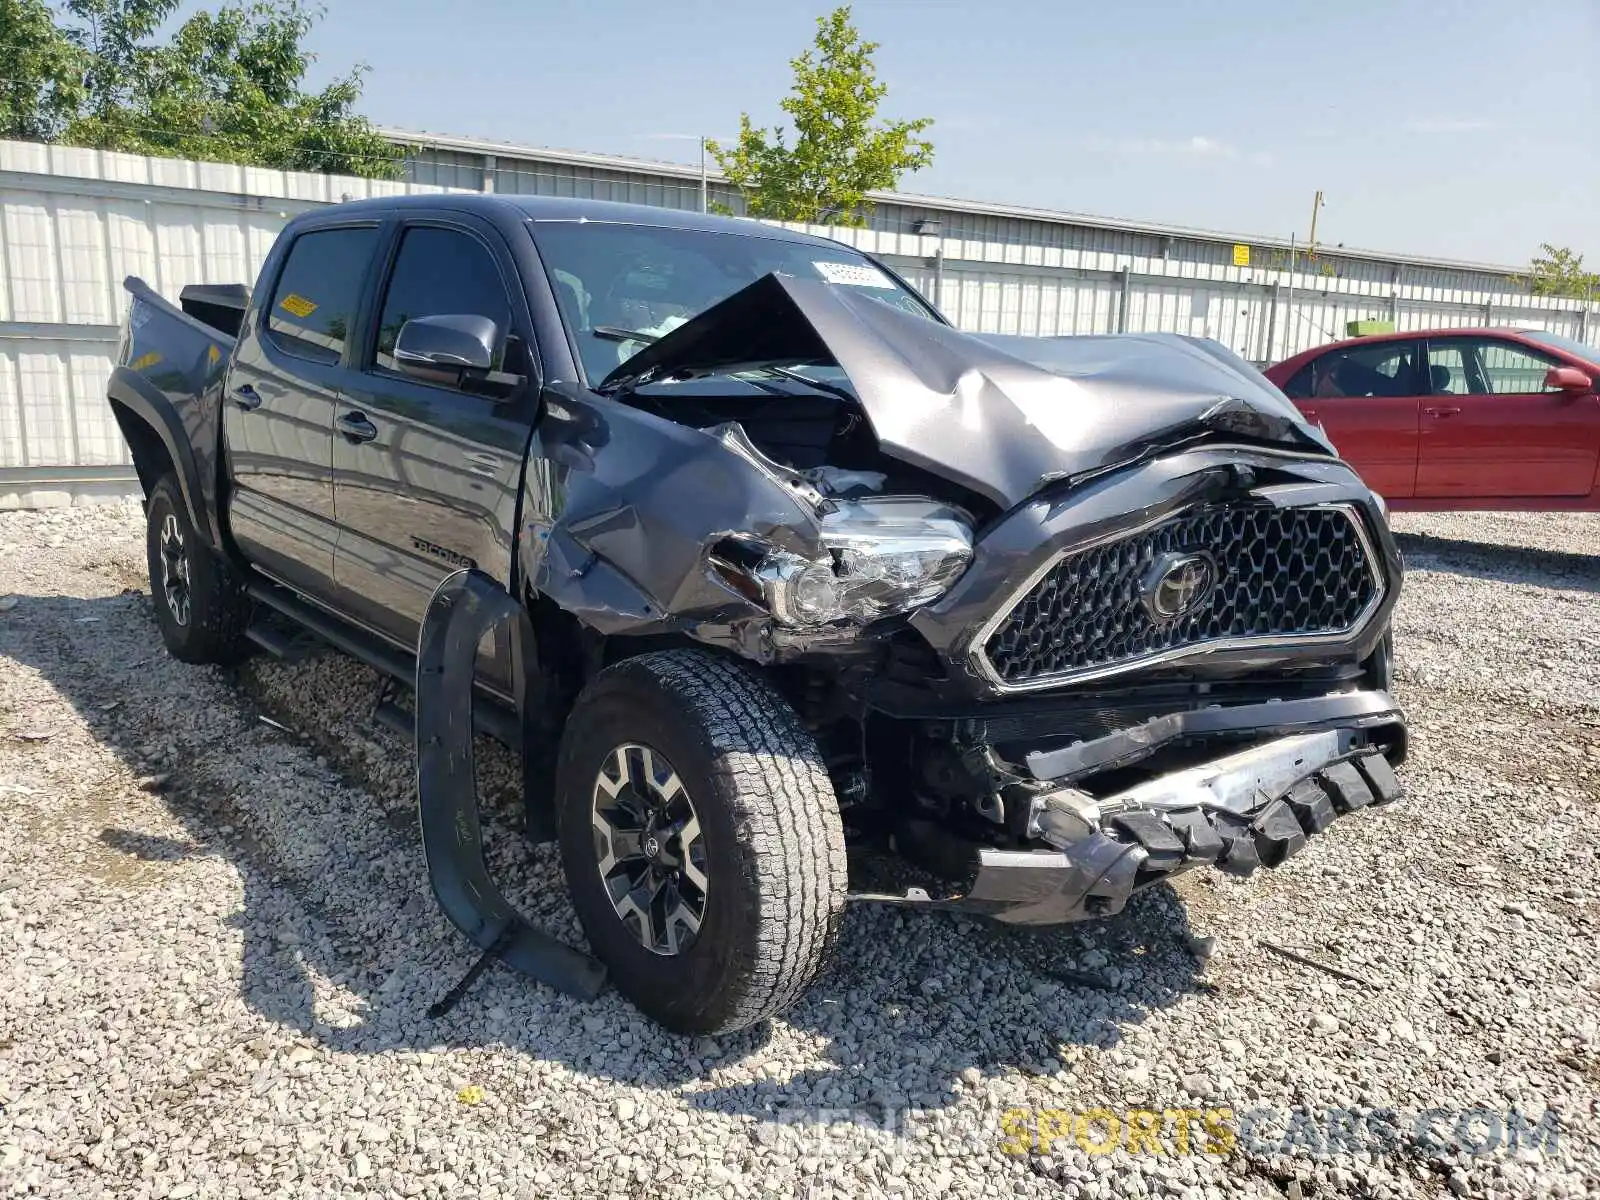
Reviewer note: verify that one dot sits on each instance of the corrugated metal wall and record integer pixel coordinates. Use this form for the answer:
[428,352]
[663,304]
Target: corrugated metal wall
[74,222]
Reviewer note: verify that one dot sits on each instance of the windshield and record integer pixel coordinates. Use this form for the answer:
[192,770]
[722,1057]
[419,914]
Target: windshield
[648,279]
[1589,354]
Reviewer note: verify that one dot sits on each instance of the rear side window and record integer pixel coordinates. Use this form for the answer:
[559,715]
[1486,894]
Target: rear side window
[441,272]
[315,299]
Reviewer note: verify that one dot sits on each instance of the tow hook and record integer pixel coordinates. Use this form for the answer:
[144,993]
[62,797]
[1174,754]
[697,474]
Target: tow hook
[465,607]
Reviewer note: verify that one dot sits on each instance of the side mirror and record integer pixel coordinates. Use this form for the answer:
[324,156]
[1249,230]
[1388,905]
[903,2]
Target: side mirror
[448,343]
[1568,379]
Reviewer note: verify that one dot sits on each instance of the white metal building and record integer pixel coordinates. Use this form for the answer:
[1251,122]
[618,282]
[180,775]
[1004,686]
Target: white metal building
[74,222]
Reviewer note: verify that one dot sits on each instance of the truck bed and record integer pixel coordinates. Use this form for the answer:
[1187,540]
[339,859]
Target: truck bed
[167,384]
[201,334]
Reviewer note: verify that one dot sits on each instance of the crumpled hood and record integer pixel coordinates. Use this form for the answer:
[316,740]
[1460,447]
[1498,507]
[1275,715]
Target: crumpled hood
[1001,415]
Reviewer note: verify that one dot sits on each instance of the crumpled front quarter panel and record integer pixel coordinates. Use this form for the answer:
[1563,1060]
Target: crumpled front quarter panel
[622,506]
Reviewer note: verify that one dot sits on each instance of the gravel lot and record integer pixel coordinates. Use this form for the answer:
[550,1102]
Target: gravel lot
[217,946]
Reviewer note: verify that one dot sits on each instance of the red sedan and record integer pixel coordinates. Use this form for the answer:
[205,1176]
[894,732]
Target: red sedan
[1459,418]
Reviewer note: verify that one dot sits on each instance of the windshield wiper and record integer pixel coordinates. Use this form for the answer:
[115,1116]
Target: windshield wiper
[615,333]
[830,389]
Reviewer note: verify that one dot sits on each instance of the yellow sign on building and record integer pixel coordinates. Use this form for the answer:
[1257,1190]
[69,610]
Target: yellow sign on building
[1241,256]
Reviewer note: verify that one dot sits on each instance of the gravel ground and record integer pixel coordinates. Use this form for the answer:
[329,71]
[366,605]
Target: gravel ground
[219,946]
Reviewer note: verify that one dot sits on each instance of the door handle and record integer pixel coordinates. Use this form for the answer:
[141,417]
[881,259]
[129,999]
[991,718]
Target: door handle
[1442,410]
[247,398]
[356,428]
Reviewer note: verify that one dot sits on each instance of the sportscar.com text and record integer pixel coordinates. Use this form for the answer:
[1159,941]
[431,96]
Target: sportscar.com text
[1218,1132]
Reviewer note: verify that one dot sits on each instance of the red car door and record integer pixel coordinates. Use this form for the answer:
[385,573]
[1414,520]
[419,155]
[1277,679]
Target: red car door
[1492,428]
[1367,399]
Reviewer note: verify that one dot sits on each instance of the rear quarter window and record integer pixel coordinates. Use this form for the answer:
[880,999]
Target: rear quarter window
[314,300]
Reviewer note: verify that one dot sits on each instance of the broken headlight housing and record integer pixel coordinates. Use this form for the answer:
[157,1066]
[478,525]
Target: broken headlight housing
[883,556]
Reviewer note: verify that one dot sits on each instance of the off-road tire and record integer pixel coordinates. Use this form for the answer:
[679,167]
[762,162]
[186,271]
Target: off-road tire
[774,841]
[218,608]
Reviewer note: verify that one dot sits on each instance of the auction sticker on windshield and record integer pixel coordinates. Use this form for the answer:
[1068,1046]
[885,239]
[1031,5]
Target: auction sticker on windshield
[853,275]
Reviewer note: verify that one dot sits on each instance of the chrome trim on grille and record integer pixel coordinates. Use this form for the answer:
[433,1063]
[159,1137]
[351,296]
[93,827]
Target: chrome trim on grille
[979,658]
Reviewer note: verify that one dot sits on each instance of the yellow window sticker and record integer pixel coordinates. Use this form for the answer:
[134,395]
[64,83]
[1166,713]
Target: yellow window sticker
[298,305]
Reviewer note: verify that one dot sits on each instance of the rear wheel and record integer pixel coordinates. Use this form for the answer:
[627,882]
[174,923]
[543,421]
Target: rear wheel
[200,602]
[701,840]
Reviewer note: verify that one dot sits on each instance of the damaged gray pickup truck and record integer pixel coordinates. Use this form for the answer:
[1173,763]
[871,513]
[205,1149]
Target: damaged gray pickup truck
[786,592]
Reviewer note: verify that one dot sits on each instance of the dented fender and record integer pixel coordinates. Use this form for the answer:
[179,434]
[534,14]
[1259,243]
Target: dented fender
[622,508]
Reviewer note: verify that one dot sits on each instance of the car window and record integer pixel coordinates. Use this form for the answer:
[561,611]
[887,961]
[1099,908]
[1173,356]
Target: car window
[651,279]
[1486,366]
[316,293]
[441,272]
[1450,371]
[1510,369]
[1381,369]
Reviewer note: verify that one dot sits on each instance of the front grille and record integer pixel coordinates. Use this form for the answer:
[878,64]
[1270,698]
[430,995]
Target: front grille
[1277,573]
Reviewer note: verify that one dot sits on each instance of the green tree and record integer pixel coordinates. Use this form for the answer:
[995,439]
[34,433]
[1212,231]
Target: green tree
[113,37]
[226,86]
[41,79]
[840,150]
[1558,271]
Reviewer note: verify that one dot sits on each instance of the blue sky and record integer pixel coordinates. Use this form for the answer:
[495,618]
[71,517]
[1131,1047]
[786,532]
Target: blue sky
[1460,128]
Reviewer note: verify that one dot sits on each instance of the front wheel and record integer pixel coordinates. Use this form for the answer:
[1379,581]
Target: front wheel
[701,840]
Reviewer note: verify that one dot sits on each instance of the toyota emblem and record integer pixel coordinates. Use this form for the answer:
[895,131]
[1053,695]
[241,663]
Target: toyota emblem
[1177,584]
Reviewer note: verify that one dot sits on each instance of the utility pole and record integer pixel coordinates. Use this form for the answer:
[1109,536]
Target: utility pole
[1288,315]
[1316,207]
[704,205]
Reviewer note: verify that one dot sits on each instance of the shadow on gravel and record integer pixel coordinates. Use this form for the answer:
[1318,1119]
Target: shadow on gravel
[1503,564]
[917,998]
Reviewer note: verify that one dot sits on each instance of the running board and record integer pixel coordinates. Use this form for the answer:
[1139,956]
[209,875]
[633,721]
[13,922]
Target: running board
[487,716]
[285,647]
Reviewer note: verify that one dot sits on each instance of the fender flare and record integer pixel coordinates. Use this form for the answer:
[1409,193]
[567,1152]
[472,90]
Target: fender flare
[128,390]
[466,605]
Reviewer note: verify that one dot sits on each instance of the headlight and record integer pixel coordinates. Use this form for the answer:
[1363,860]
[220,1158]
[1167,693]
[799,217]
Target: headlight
[883,556]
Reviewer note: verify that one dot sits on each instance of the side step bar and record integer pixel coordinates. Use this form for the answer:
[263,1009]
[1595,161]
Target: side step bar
[285,647]
[488,716]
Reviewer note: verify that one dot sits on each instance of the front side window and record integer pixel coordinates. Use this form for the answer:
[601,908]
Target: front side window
[1383,369]
[1513,370]
[1486,367]
[315,298]
[649,279]
[441,272]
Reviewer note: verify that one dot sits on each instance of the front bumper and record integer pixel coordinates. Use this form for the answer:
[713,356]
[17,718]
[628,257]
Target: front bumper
[1250,808]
